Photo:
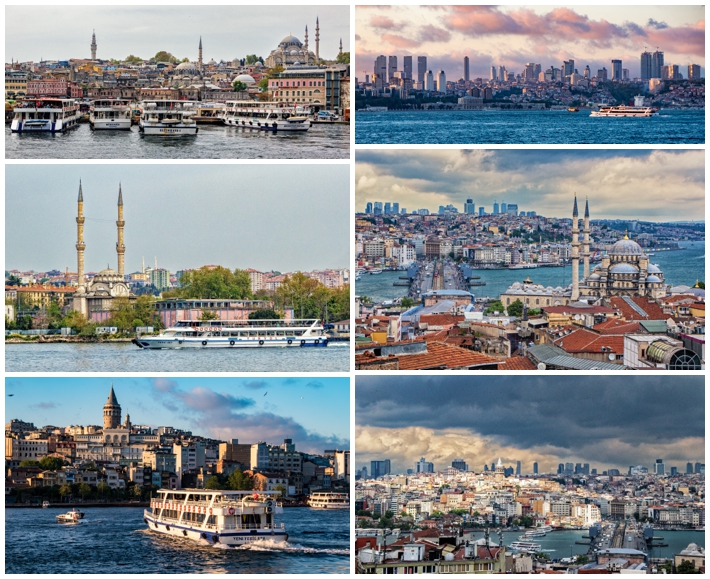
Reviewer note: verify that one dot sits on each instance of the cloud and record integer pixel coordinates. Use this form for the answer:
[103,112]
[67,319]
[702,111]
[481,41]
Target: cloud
[430,33]
[314,384]
[254,384]
[657,25]
[164,384]
[397,41]
[45,405]
[382,22]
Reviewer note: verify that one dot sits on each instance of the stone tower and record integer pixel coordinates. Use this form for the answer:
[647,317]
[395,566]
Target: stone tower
[575,252]
[317,42]
[80,245]
[120,247]
[112,411]
[585,247]
[305,46]
[93,45]
[340,51]
[199,56]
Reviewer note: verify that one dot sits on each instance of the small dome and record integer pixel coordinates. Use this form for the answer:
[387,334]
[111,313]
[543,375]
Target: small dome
[107,272]
[594,276]
[187,68]
[294,52]
[653,279]
[652,268]
[623,268]
[246,79]
[626,246]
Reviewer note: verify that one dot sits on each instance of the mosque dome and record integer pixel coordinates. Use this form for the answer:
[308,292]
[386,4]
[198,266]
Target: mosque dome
[652,268]
[187,68]
[626,246]
[247,79]
[594,276]
[291,40]
[653,279]
[623,268]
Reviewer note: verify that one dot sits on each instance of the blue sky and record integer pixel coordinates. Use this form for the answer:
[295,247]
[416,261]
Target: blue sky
[315,412]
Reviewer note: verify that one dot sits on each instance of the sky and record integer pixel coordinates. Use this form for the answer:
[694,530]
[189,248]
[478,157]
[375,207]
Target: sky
[267,217]
[314,412]
[228,32]
[605,420]
[512,36]
[650,185]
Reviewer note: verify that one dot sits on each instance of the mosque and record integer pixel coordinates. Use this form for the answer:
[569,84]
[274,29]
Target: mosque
[291,51]
[94,298]
[625,270]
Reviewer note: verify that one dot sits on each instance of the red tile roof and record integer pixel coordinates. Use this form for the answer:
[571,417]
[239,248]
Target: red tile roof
[617,327]
[518,363]
[440,355]
[652,309]
[584,340]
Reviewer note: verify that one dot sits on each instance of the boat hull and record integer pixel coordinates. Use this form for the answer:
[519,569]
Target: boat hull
[167,130]
[114,125]
[263,125]
[157,343]
[230,538]
[43,126]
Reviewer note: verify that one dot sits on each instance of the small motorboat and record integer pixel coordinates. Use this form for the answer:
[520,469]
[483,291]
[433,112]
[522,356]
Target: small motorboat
[70,518]
[45,504]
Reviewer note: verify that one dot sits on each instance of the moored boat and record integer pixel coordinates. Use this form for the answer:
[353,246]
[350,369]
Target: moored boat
[230,518]
[267,116]
[168,118]
[329,500]
[44,114]
[45,504]
[238,334]
[110,114]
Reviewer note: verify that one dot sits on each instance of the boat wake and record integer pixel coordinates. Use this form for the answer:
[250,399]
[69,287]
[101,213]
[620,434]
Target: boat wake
[286,547]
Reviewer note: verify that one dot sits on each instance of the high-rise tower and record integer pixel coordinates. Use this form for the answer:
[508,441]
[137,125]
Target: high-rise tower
[575,251]
[80,245]
[317,42]
[199,56]
[93,45]
[112,411]
[120,247]
[585,247]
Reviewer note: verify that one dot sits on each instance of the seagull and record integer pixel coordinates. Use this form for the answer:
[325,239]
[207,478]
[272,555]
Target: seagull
[10,394]
[265,393]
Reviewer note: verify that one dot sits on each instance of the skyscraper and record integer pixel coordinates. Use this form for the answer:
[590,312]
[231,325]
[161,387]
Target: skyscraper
[567,68]
[378,207]
[391,67]
[694,71]
[646,66]
[408,67]
[689,468]
[380,71]
[421,69]
[495,208]
[501,74]
[659,467]
[429,84]
[379,468]
[395,208]
[535,468]
[616,73]
[368,207]
[388,208]
[481,210]
[441,81]
[656,64]
[503,207]
[424,466]
[460,464]
[493,73]
[466,76]
[469,207]
[518,468]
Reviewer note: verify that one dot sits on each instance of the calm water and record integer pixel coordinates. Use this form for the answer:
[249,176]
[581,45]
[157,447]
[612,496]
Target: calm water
[515,127]
[678,267]
[115,540]
[211,142]
[125,357]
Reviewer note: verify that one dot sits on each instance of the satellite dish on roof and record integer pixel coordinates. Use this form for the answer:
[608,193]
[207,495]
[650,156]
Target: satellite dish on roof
[611,357]
[541,366]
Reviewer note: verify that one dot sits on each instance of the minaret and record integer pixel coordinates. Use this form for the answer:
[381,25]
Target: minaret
[317,42]
[120,247]
[80,245]
[585,248]
[305,45]
[575,252]
[93,45]
[199,56]
[341,47]
[112,411]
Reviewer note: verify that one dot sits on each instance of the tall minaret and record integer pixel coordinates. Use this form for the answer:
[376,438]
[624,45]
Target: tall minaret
[120,247]
[93,45]
[305,46]
[199,56]
[80,245]
[341,47]
[585,248]
[575,252]
[317,42]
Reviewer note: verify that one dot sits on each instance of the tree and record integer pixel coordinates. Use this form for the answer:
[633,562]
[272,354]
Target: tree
[84,490]
[407,302]
[264,315]
[12,280]
[216,283]
[389,514]
[686,567]
[252,59]
[275,71]
[282,489]
[74,320]
[207,315]
[515,309]
[51,463]
[495,306]
[581,560]
[164,56]
[239,86]
[133,59]
[343,58]
[104,488]
[238,481]
[65,491]
[213,484]
[29,463]
[137,492]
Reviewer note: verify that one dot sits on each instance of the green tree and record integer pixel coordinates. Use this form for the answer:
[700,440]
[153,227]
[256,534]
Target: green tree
[264,315]
[365,299]
[264,84]
[581,560]
[74,320]
[65,492]
[238,86]
[104,489]
[238,481]
[275,71]
[207,315]
[686,567]
[84,490]
[29,463]
[12,280]
[282,489]
[132,59]
[515,309]
[252,59]
[54,315]
[343,58]
[51,463]
[407,302]
[494,306]
[296,291]
[164,56]
[389,514]
[213,484]
[217,283]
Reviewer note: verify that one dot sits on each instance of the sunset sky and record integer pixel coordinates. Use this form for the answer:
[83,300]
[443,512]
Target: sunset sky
[511,36]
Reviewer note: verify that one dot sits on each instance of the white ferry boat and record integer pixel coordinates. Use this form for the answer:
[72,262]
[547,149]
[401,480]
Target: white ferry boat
[231,518]
[267,116]
[168,118]
[638,110]
[533,534]
[110,114]
[50,115]
[526,546]
[326,500]
[238,334]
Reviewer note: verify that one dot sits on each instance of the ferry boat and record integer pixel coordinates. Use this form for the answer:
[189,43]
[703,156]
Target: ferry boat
[267,116]
[45,114]
[168,118]
[230,518]
[526,546]
[238,334]
[638,110]
[533,534]
[326,500]
[110,114]
[369,109]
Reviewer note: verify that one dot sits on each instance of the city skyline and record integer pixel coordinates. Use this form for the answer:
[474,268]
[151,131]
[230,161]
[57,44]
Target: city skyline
[314,412]
[512,36]
[541,181]
[606,421]
[183,220]
[60,35]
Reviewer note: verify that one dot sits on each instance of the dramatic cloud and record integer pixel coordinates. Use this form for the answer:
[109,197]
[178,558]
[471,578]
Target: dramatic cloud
[545,35]
[672,182]
[608,421]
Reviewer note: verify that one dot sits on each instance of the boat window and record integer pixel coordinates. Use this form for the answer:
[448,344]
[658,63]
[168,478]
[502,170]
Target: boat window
[253,334]
[299,332]
[234,334]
